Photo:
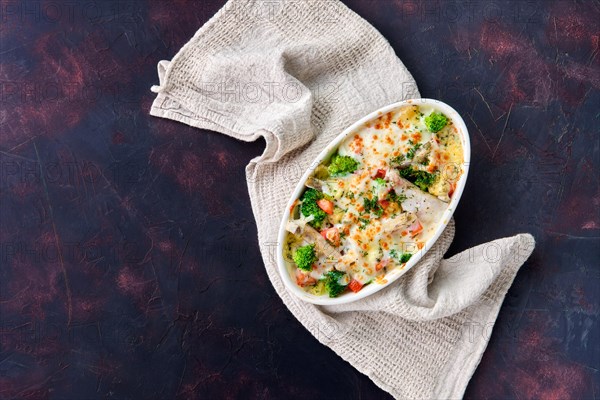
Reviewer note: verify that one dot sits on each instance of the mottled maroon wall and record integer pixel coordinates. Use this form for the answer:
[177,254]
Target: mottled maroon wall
[129,264]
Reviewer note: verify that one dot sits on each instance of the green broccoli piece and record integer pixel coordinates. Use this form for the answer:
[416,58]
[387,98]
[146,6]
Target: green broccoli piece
[402,258]
[422,179]
[305,257]
[331,283]
[436,121]
[341,165]
[405,257]
[381,181]
[309,207]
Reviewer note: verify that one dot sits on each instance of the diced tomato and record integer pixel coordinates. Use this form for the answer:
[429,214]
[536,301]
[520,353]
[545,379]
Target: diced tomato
[332,235]
[415,228]
[303,279]
[355,286]
[452,189]
[384,203]
[380,174]
[325,205]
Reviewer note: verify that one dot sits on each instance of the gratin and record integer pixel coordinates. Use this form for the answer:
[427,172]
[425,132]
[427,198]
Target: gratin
[374,203]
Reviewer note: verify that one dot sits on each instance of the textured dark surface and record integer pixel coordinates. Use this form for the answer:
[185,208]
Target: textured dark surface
[129,259]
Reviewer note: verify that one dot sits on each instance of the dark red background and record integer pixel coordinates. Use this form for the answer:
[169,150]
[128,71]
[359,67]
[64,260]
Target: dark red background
[129,260]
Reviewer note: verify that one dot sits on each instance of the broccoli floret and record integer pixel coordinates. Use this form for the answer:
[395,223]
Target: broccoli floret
[332,285]
[405,257]
[305,257]
[402,258]
[341,165]
[436,121]
[309,207]
[422,179]
[381,181]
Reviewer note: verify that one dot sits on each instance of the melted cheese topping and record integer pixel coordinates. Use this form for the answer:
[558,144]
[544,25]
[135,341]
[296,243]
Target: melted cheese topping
[380,217]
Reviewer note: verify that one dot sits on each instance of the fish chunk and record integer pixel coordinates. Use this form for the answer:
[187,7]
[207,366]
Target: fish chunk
[394,224]
[428,208]
[322,246]
[317,184]
[311,235]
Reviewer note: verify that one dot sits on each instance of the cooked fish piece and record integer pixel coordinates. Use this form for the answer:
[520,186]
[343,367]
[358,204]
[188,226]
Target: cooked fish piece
[317,184]
[428,208]
[401,221]
[322,246]
[311,235]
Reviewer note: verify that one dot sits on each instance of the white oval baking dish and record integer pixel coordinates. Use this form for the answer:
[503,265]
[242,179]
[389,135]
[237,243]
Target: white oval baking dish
[393,275]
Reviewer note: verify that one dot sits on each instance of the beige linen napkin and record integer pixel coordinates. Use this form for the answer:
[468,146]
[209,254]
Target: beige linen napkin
[297,73]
